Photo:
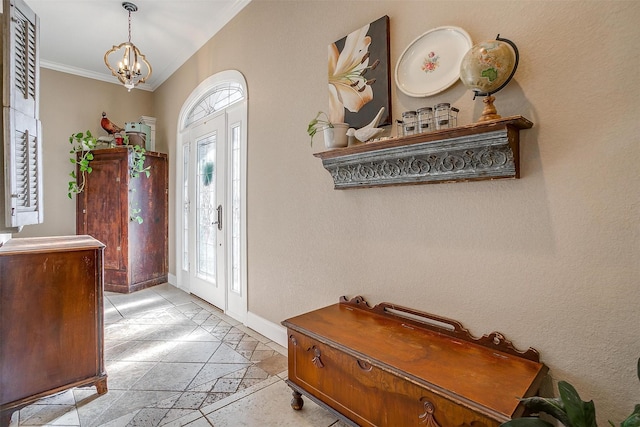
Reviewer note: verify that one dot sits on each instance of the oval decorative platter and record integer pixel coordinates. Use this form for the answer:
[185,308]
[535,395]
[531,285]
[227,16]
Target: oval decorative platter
[431,63]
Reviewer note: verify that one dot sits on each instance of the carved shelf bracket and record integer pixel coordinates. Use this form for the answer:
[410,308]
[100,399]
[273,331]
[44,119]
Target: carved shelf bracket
[480,151]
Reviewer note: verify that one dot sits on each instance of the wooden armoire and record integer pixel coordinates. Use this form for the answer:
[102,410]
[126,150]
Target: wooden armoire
[135,255]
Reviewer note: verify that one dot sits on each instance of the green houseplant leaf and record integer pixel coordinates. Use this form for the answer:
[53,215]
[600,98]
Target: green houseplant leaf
[551,406]
[526,422]
[632,420]
[580,413]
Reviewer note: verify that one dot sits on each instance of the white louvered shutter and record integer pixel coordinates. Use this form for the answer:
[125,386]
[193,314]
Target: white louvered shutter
[22,131]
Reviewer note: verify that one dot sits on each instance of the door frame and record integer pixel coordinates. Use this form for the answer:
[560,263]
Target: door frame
[237,311]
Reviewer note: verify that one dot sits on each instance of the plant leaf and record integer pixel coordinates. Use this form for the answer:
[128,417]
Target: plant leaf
[632,420]
[526,422]
[551,406]
[580,413]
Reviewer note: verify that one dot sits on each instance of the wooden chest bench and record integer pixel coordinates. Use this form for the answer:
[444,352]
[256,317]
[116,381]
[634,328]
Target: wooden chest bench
[395,366]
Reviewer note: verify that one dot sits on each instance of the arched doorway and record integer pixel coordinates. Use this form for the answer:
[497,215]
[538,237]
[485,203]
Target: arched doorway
[211,193]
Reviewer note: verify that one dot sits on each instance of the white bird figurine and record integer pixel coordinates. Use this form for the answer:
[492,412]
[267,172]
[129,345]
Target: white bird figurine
[351,136]
[371,130]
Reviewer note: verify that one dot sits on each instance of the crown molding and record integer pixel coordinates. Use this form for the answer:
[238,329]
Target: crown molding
[88,74]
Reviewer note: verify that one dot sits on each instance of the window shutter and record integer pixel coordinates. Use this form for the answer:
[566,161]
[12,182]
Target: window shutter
[22,131]
[24,168]
[23,62]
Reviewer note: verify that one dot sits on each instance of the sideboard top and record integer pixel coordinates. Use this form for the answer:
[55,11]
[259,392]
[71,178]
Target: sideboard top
[49,244]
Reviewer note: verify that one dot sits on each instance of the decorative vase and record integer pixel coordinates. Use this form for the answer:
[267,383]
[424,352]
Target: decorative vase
[336,137]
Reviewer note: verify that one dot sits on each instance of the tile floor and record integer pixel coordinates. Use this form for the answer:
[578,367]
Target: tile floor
[174,360]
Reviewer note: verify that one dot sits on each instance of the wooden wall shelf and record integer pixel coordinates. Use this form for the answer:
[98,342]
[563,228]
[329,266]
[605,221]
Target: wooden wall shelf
[480,151]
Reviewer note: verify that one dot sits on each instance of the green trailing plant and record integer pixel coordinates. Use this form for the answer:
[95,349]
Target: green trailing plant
[318,124]
[137,161]
[136,168]
[134,215]
[81,146]
[569,409]
[134,212]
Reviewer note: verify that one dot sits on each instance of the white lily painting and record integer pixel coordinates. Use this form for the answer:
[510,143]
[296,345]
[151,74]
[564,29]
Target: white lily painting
[359,80]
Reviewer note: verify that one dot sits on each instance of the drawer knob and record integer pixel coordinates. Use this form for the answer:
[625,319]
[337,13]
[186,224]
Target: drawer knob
[428,418]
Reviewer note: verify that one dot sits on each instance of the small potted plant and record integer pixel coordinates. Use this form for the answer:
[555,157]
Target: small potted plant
[335,134]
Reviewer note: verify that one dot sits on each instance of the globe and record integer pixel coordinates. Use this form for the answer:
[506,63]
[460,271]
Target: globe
[486,68]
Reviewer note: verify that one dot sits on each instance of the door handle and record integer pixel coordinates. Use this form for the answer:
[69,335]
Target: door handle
[219,220]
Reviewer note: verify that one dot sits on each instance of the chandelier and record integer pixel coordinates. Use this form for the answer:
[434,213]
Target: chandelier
[129,70]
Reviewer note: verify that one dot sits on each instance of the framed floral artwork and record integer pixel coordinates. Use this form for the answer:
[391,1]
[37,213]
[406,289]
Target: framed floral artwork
[359,78]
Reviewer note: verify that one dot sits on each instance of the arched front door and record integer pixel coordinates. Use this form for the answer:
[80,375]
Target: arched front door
[212,195]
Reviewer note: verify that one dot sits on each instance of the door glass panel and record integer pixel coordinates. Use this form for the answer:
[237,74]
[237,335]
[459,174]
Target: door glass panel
[185,207]
[206,213]
[221,97]
[235,209]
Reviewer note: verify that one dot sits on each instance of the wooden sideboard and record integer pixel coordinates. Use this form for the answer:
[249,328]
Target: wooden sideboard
[51,319]
[395,366]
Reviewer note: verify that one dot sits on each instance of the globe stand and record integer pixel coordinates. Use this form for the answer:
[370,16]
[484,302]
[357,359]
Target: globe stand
[489,112]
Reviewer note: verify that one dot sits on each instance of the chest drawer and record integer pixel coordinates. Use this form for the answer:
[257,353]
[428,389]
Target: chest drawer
[369,394]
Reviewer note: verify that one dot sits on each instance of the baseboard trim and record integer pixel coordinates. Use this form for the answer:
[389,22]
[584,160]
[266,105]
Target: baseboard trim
[173,280]
[273,331]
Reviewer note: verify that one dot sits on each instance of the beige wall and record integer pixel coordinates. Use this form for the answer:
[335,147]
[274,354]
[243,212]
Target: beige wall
[550,260]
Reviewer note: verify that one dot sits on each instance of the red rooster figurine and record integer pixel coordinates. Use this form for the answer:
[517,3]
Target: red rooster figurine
[109,126]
